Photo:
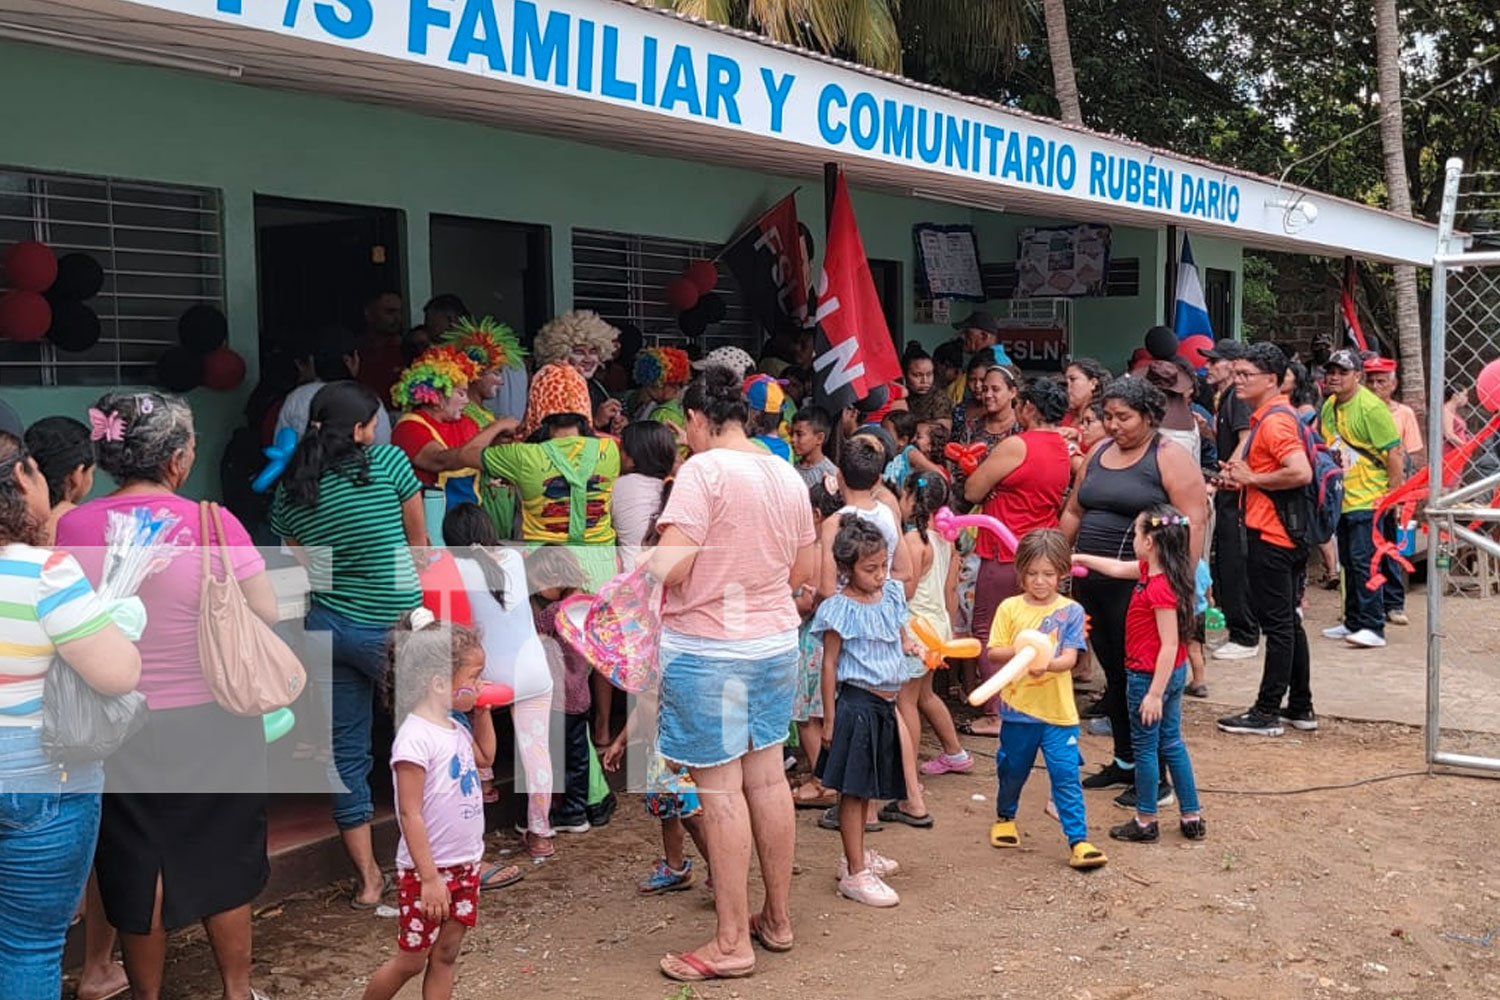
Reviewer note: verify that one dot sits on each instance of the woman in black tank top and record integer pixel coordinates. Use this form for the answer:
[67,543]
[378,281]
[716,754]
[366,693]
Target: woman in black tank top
[1130,470]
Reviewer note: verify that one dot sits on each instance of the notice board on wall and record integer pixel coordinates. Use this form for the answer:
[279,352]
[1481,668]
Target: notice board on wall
[948,262]
[1056,261]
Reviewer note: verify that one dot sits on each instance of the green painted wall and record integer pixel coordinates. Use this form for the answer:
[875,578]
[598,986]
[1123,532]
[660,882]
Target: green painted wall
[94,116]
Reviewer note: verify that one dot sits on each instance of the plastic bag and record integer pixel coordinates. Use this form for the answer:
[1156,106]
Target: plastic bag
[79,724]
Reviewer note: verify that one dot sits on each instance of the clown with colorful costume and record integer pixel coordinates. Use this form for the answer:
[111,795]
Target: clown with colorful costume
[434,393]
[662,373]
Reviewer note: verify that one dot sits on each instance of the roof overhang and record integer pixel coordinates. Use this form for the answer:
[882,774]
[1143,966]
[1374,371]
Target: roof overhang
[632,77]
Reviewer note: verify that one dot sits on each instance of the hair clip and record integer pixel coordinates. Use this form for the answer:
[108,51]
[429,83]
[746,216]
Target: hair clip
[922,482]
[106,426]
[1170,521]
[830,483]
[144,404]
[421,618]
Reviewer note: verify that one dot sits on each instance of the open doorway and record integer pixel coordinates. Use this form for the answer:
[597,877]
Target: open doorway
[499,269]
[318,263]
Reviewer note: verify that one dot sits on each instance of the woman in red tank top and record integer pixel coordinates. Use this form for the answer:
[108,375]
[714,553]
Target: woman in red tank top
[1022,483]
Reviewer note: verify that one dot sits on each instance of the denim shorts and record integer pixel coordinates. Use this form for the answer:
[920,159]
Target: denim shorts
[716,710]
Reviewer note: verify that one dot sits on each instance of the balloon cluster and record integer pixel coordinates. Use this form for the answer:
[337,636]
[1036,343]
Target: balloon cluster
[46,296]
[693,298]
[201,356]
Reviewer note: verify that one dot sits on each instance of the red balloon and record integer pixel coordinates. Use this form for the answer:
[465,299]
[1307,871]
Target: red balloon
[1487,386]
[493,695]
[704,276]
[223,369]
[1192,349]
[682,294]
[30,266]
[24,315]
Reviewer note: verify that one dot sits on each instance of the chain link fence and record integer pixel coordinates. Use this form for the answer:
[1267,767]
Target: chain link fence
[1463,556]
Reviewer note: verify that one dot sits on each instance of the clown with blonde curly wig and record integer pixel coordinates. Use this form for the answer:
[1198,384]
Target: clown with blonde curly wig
[493,347]
[584,340]
[434,392]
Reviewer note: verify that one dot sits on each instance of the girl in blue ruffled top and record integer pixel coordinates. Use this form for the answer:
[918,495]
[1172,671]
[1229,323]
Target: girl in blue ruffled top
[862,628]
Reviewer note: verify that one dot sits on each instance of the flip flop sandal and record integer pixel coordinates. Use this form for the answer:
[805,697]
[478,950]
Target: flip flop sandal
[893,813]
[498,877]
[824,801]
[1196,690]
[120,991]
[386,885]
[689,968]
[967,728]
[1086,856]
[769,944]
[1003,833]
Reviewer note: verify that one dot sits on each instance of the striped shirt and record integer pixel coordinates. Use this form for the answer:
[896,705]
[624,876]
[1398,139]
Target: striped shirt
[45,601]
[355,538]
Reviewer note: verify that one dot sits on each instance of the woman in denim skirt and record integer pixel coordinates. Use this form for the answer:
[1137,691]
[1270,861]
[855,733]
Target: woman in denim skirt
[737,543]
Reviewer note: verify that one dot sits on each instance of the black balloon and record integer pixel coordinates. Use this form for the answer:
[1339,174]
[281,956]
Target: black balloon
[75,327]
[713,307]
[1161,343]
[79,277]
[202,329]
[692,322]
[179,369]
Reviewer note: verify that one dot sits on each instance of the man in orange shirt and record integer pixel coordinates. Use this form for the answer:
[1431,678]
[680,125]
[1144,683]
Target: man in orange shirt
[1274,459]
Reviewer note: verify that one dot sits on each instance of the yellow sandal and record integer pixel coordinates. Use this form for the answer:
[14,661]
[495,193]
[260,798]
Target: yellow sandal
[1005,834]
[1086,855]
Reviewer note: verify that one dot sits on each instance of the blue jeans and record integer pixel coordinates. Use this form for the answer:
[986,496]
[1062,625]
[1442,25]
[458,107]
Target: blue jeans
[1160,743]
[1019,743]
[359,663]
[1393,594]
[1363,608]
[47,842]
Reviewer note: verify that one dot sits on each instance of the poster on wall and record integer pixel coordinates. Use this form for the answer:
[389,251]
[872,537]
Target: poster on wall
[948,262]
[1059,261]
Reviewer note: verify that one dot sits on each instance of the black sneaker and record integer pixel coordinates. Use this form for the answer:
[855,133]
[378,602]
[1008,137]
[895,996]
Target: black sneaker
[1108,776]
[1253,723]
[1164,797]
[1132,831]
[1306,721]
[603,811]
[1094,709]
[1193,829]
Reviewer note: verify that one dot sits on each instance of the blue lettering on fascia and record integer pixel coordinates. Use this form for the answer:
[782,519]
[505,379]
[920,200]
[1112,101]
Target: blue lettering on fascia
[420,17]
[478,33]
[723,89]
[610,84]
[897,135]
[345,19]
[682,82]
[864,121]
[777,91]
[585,75]
[536,51]
[832,96]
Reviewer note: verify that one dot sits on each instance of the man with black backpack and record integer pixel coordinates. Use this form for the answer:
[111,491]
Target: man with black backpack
[1273,475]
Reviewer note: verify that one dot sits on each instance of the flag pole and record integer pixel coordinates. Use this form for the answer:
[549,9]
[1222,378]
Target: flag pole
[830,185]
[1169,278]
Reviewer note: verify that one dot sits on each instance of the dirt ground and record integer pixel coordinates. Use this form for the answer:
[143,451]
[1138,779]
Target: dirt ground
[1384,890]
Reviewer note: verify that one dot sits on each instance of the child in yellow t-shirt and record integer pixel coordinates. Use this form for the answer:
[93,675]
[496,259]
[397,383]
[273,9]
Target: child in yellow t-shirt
[1038,711]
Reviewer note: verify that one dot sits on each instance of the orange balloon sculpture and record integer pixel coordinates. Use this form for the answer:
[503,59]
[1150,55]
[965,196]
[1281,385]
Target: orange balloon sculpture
[935,648]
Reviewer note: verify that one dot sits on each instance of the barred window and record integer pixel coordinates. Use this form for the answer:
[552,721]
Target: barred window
[623,277]
[161,250]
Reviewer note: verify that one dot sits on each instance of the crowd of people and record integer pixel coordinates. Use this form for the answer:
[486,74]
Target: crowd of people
[447,495]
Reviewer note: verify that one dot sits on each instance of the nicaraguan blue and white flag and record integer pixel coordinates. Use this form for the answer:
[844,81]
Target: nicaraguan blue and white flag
[1195,332]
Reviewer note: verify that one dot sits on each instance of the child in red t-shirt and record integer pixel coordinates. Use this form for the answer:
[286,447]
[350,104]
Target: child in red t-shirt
[1157,625]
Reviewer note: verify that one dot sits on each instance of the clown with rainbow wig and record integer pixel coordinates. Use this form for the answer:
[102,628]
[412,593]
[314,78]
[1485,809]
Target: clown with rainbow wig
[662,373]
[492,347]
[434,393]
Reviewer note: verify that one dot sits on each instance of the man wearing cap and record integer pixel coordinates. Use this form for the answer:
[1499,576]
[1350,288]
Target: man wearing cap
[1380,377]
[1358,426]
[1231,580]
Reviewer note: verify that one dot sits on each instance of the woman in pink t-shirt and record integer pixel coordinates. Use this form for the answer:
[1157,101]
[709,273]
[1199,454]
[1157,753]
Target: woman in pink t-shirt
[182,836]
[737,548]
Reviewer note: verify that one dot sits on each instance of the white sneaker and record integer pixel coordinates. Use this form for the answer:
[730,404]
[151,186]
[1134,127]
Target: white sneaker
[882,866]
[1337,632]
[1365,639]
[866,887]
[1235,651]
[1397,617]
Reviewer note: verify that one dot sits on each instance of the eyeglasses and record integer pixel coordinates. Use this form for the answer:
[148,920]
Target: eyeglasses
[1241,374]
